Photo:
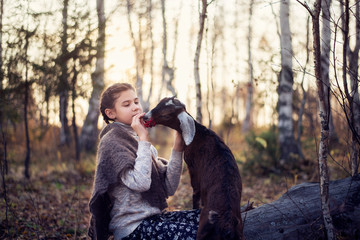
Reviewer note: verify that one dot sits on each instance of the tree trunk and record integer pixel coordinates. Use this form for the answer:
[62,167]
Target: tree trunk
[150,23]
[1,46]
[4,169]
[74,126]
[2,95]
[285,88]
[202,18]
[139,79]
[26,103]
[353,56]
[167,72]
[64,85]
[247,121]
[325,57]
[304,93]
[89,132]
[324,119]
[297,213]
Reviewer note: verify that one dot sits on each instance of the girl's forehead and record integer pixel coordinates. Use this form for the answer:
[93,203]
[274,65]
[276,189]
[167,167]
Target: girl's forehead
[127,95]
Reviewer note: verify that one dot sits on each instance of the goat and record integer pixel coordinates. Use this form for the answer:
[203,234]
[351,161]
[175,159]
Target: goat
[214,174]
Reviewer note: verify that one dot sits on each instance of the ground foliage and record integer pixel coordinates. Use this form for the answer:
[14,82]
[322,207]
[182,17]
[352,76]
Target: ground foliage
[53,204]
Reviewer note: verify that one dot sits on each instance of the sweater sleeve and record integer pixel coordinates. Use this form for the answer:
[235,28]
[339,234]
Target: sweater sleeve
[139,178]
[173,172]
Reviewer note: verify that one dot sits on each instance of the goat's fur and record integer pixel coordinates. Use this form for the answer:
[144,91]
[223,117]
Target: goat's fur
[214,174]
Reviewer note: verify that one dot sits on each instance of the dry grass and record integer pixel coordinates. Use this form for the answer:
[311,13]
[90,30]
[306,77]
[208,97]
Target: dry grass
[54,203]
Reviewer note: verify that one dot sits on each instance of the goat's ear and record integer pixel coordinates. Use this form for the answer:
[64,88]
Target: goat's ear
[187,126]
[181,106]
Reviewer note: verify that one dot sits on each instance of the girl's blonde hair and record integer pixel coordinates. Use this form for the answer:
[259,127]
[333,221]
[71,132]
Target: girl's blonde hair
[108,97]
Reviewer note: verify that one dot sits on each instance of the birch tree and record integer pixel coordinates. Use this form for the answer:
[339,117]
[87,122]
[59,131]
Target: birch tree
[325,55]
[248,107]
[202,17]
[167,71]
[89,133]
[324,119]
[352,69]
[304,92]
[139,64]
[152,47]
[285,88]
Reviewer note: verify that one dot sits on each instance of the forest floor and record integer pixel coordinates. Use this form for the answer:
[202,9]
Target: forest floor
[53,204]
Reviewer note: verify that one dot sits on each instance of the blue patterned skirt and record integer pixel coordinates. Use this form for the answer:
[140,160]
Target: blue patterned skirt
[180,225]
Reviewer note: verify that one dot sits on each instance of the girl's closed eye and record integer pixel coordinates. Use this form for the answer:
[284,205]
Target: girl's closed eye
[126,104]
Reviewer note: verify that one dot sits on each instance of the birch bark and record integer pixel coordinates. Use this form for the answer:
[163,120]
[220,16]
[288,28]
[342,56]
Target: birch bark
[202,18]
[167,71]
[89,132]
[285,88]
[325,54]
[353,56]
[324,141]
[139,80]
[247,121]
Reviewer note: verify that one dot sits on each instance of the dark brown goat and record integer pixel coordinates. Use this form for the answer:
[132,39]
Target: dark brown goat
[214,174]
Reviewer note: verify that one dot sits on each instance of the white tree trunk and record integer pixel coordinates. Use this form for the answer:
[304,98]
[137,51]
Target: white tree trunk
[89,132]
[202,18]
[150,23]
[247,121]
[324,141]
[325,57]
[167,71]
[354,95]
[139,80]
[285,88]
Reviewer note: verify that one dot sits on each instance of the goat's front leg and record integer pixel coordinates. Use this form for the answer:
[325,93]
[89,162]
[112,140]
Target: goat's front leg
[196,199]
[196,192]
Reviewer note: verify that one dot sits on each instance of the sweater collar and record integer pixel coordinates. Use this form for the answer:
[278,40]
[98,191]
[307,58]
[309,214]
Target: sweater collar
[128,129]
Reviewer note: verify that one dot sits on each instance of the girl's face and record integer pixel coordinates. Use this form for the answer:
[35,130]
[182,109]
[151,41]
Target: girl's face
[126,106]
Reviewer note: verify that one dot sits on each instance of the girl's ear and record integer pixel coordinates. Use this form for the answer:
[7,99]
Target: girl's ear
[110,113]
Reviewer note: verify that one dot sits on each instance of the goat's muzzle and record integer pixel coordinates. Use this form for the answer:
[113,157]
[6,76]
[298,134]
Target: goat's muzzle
[149,123]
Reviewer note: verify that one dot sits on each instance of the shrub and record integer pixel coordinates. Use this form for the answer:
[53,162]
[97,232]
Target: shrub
[262,154]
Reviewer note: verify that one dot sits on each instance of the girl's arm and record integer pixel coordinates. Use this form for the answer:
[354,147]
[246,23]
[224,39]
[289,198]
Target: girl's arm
[174,168]
[173,172]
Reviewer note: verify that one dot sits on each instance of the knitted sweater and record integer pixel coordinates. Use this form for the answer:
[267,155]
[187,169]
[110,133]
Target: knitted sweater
[130,183]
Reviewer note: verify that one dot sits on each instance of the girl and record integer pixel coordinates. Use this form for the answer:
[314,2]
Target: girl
[131,183]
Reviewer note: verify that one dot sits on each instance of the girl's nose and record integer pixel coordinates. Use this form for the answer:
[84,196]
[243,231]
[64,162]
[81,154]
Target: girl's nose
[135,107]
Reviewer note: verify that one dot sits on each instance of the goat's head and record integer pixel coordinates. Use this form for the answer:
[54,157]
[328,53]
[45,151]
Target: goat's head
[172,113]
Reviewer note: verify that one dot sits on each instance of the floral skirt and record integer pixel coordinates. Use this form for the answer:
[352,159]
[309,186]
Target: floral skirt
[169,225]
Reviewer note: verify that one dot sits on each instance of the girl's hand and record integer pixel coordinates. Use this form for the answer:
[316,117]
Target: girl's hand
[179,143]
[138,125]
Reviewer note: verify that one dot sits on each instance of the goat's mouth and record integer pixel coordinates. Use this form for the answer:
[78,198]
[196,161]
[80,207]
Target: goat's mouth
[149,123]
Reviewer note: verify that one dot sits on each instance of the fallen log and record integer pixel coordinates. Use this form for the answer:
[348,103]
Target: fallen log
[297,213]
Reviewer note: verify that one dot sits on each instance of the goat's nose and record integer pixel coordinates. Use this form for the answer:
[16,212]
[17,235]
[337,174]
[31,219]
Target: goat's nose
[147,116]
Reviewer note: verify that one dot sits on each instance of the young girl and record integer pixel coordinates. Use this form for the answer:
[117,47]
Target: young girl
[131,183]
